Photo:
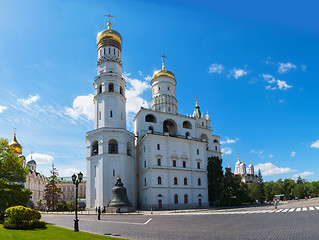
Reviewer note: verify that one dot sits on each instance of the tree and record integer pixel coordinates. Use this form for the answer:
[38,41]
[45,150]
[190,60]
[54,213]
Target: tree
[300,188]
[12,179]
[289,186]
[51,191]
[215,180]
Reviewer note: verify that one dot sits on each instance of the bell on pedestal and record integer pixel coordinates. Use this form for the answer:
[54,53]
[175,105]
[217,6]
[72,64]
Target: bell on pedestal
[119,201]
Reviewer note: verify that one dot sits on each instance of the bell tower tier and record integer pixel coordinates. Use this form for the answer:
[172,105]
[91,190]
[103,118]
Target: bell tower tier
[110,147]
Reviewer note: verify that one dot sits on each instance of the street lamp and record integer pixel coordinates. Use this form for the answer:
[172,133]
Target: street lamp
[76,182]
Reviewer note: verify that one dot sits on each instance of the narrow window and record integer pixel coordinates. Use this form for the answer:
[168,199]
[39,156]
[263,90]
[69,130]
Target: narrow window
[111,113]
[114,51]
[185,199]
[168,88]
[104,51]
[144,148]
[95,171]
[144,181]
[202,123]
[113,172]
[216,148]
[185,181]
[158,147]
[144,163]
[199,182]
[121,90]
[198,165]
[159,162]
[174,163]
[100,115]
[184,164]
[159,88]
[111,87]
[159,180]
[175,181]
[109,50]
[118,53]
[197,151]
[169,109]
[100,89]
[175,199]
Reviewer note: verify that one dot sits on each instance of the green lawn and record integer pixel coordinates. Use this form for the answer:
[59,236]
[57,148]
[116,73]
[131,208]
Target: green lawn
[51,232]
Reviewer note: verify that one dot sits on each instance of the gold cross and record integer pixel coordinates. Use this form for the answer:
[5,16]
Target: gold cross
[163,64]
[109,16]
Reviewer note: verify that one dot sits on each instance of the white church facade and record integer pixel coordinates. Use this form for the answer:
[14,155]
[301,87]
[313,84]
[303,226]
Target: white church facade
[163,165]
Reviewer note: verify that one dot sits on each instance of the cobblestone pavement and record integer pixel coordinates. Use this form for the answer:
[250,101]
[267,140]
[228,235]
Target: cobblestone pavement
[244,223]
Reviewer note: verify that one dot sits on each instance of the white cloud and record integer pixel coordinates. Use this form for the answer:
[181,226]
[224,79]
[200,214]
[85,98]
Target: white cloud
[227,141]
[271,156]
[237,73]
[303,67]
[257,152]
[40,158]
[268,169]
[140,73]
[216,68]
[2,108]
[285,67]
[293,154]
[82,106]
[315,144]
[148,78]
[68,172]
[29,100]
[281,85]
[226,150]
[281,100]
[302,175]
[137,87]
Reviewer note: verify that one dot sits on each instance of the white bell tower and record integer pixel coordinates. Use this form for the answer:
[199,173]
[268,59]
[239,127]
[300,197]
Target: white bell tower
[110,147]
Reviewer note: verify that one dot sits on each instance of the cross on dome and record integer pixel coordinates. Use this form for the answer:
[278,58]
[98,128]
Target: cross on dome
[163,61]
[109,23]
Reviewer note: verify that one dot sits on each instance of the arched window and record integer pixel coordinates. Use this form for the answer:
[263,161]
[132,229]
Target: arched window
[151,129]
[169,126]
[100,89]
[215,141]
[202,123]
[113,147]
[111,87]
[129,149]
[187,124]
[203,138]
[159,180]
[185,198]
[150,118]
[176,199]
[175,181]
[121,90]
[199,182]
[95,148]
[111,113]
[185,181]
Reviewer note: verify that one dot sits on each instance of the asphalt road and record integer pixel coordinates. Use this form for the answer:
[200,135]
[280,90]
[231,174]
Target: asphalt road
[293,220]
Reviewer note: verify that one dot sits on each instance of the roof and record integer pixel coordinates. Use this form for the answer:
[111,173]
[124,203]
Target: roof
[68,179]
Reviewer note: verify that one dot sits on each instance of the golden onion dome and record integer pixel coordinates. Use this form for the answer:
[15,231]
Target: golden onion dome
[15,145]
[163,72]
[109,37]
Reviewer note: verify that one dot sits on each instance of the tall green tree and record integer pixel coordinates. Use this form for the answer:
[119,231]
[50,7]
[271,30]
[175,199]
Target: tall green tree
[215,180]
[12,179]
[51,191]
[289,186]
[300,188]
[260,193]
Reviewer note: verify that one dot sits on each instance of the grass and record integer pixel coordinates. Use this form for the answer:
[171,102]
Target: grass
[51,232]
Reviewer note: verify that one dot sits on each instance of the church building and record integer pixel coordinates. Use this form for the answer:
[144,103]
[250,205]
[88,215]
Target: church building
[163,165]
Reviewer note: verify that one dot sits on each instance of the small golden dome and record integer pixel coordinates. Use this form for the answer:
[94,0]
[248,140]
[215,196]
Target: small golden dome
[15,145]
[109,37]
[163,72]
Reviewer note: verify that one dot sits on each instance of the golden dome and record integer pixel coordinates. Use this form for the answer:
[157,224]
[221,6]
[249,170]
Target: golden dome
[109,37]
[163,72]
[15,145]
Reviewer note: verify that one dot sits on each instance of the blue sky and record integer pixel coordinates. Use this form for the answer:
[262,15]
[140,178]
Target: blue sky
[252,65]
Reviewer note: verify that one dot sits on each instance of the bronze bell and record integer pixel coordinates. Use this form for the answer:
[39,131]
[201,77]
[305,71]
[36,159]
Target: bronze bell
[119,198]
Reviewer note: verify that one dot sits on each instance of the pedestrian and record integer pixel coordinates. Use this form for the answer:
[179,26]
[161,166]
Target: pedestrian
[95,209]
[99,213]
[275,204]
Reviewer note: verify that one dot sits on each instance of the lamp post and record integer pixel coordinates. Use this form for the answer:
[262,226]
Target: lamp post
[76,182]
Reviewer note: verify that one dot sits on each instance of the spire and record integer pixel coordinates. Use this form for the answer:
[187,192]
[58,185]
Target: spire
[163,61]
[228,162]
[197,113]
[207,116]
[109,22]
[196,102]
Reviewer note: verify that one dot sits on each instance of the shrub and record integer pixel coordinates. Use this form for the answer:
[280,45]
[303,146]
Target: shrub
[20,217]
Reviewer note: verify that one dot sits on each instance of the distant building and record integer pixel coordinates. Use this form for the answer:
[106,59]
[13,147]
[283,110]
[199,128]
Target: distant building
[35,181]
[67,188]
[246,176]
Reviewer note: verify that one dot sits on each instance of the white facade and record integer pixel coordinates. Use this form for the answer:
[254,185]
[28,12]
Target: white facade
[110,147]
[168,168]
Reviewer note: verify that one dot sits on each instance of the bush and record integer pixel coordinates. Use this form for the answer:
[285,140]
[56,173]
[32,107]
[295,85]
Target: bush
[20,217]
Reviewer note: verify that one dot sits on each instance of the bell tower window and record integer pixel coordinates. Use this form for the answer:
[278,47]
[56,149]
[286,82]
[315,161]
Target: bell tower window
[111,87]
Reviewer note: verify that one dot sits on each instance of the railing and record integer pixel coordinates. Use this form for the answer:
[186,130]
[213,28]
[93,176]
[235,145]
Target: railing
[145,132]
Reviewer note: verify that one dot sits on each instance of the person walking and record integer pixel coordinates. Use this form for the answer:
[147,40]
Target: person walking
[275,204]
[99,213]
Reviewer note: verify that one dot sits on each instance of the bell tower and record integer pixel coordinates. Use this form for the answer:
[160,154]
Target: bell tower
[110,147]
